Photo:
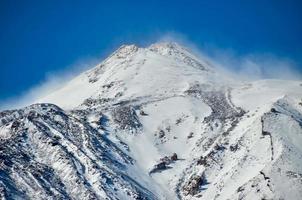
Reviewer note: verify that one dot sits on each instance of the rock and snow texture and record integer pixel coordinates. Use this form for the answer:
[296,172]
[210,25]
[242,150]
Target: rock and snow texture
[155,123]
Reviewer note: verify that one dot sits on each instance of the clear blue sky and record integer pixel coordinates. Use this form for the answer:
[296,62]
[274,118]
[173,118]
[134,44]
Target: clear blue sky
[37,37]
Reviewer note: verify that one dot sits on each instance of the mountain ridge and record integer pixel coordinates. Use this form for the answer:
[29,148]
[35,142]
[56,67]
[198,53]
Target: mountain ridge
[155,123]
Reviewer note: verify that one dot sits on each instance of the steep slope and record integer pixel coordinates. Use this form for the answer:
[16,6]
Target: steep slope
[156,123]
[132,72]
[46,152]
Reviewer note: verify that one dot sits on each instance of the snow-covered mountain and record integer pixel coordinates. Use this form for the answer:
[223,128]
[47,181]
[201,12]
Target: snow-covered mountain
[155,123]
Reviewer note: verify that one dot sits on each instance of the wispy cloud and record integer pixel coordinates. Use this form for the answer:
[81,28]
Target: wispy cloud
[252,66]
[255,66]
[52,81]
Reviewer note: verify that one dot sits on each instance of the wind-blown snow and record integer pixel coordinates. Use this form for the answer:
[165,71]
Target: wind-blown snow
[155,123]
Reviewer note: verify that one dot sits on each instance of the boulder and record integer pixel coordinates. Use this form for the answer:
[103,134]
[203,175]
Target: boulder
[174,157]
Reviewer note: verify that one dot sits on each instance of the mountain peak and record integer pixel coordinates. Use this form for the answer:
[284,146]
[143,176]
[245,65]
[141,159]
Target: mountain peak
[155,123]
[163,48]
[125,50]
[166,47]
[169,44]
[136,71]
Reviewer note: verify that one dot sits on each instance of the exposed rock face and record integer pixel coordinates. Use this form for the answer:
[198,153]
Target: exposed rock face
[194,185]
[219,101]
[174,157]
[51,151]
[126,118]
[164,163]
[179,53]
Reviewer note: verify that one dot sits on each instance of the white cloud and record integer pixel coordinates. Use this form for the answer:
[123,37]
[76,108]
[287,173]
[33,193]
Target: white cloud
[52,81]
[252,66]
[256,66]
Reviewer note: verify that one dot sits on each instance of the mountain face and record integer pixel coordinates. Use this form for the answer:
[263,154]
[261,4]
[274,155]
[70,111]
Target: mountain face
[155,123]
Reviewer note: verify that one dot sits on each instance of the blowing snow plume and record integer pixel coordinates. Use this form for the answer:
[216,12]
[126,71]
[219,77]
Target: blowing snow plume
[52,81]
[251,66]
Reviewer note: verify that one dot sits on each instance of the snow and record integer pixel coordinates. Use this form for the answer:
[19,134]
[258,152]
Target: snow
[4,132]
[243,138]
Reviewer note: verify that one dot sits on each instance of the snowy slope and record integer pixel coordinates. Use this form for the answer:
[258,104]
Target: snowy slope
[156,123]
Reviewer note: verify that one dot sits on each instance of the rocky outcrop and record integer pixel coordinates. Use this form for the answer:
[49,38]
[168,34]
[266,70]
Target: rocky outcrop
[164,163]
[126,118]
[49,154]
[194,184]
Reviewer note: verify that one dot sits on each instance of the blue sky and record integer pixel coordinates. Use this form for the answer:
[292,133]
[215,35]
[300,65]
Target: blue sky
[41,37]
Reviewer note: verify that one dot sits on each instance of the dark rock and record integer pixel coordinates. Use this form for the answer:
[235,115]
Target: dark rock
[93,102]
[107,86]
[164,163]
[202,161]
[55,140]
[178,121]
[219,147]
[274,110]
[141,112]
[190,135]
[119,94]
[159,167]
[161,134]
[126,118]
[234,147]
[240,189]
[174,157]
[222,108]
[15,125]
[265,133]
[193,186]
[264,176]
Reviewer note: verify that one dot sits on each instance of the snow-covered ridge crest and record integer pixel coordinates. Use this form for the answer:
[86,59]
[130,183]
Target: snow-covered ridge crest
[138,69]
[180,53]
